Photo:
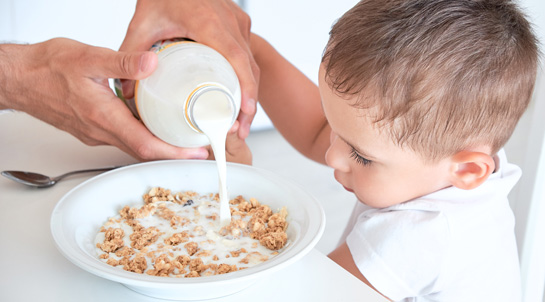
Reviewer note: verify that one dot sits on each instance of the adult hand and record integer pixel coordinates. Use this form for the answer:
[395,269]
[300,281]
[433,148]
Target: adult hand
[65,83]
[220,24]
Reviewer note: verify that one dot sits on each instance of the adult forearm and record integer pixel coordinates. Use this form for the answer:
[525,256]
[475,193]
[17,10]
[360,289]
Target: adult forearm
[8,56]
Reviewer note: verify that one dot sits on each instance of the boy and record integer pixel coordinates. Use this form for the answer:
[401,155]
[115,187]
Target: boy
[415,100]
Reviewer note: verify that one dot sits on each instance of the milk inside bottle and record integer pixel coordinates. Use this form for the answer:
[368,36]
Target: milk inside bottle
[191,100]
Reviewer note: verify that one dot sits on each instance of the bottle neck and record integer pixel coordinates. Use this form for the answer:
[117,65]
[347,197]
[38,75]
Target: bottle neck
[209,101]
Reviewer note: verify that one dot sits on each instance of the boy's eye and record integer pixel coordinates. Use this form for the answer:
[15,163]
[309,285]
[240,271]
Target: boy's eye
[358,158]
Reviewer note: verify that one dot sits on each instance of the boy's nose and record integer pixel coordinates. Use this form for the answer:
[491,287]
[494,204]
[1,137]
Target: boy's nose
[336,157]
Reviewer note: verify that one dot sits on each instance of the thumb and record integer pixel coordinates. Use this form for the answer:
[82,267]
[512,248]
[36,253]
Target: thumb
[131,65]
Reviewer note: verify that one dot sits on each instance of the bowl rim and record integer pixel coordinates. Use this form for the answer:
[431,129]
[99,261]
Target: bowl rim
[77,256]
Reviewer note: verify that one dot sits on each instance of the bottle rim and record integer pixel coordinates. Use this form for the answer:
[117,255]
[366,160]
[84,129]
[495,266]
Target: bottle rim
[198,92]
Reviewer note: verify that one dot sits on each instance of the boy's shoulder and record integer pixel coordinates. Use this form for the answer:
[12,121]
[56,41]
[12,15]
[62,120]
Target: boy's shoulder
[456,239]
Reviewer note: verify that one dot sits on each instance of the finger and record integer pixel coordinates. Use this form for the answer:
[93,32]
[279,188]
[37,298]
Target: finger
[131,136]
[244,21]
[242,37]
[245,121]
[127,87]
[235,127]
[148,147]
[247,72]
[237,51]
[236,149]
[233,144]
[234,44]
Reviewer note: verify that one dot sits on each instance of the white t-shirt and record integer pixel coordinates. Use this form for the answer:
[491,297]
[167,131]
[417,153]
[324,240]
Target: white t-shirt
[451,245]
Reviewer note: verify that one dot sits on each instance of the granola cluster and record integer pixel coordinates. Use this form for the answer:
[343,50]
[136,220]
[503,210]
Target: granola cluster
[178,235]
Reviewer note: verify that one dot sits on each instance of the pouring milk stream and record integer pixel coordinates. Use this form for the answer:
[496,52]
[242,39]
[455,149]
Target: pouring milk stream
[214,119]
[191,100]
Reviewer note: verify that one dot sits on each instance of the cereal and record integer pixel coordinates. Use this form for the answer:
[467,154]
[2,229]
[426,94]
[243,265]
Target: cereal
[178,235]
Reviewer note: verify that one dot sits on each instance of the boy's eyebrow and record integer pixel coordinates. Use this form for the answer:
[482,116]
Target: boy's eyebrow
[360,152]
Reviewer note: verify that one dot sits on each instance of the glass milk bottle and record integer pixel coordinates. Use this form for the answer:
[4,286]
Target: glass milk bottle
[192,83]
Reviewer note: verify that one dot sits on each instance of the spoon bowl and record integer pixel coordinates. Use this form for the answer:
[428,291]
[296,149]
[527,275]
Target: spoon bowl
[29,178]
[43,181]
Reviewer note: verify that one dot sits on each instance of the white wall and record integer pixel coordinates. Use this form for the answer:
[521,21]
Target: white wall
[98,22]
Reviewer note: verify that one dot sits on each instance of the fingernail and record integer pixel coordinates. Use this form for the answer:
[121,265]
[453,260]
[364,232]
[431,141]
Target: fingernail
[145,62]
[200,153]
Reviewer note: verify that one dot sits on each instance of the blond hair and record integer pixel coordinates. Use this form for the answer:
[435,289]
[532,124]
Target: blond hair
[443,75]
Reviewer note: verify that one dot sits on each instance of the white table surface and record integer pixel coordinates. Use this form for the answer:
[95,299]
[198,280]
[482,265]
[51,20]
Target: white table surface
[32,269]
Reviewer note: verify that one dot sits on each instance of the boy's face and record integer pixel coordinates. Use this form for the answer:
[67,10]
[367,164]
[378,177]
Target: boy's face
[368,163]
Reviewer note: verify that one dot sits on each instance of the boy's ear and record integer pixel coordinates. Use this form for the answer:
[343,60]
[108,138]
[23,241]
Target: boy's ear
[470,169]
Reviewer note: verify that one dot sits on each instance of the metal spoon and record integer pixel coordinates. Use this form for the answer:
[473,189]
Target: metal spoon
[42,181]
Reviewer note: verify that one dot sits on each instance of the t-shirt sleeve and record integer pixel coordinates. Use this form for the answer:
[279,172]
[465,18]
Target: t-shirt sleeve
[400,252]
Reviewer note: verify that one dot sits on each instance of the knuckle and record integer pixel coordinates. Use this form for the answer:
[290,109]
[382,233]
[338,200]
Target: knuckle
[239,54]
[94,115]
[144,152]
[125,65]
[244,20]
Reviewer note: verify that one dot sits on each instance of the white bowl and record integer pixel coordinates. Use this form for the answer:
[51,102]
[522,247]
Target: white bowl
[78,216]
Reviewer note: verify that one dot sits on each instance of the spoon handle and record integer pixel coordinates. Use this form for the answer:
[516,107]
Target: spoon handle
[84,171]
